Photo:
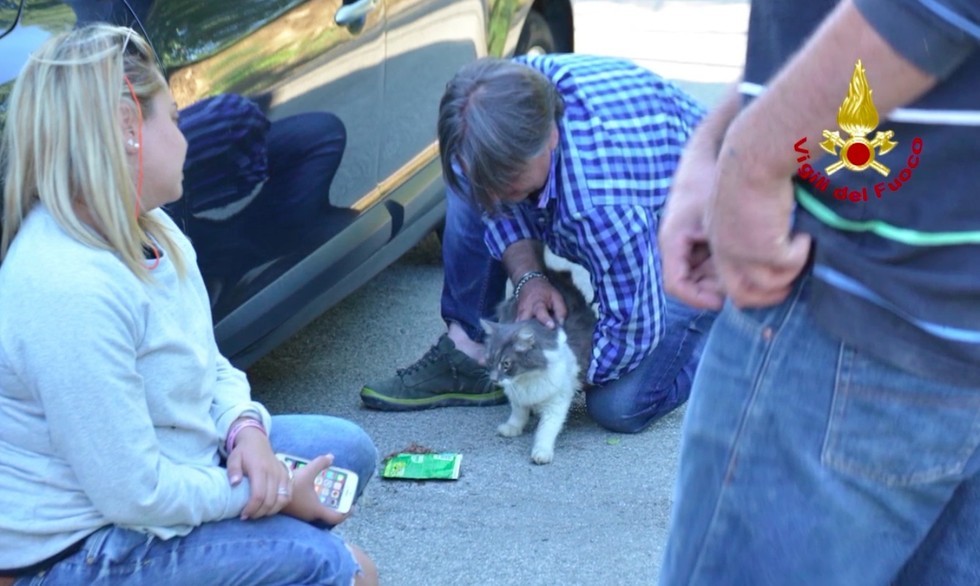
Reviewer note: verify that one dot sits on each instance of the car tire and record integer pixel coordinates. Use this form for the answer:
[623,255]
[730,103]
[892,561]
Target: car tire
[536,36]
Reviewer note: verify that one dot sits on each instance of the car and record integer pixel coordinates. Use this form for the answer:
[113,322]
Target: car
[378,67]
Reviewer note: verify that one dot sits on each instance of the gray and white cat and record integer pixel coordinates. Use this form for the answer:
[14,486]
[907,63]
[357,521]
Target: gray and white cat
[541,369]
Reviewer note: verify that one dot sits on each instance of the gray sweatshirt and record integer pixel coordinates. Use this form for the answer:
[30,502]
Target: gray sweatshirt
[114,398]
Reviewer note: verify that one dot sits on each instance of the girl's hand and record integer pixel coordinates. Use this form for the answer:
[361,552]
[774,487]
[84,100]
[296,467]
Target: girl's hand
[268,478]
[305,503]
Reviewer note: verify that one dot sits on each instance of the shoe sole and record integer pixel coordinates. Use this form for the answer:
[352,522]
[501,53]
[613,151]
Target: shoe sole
[375,400]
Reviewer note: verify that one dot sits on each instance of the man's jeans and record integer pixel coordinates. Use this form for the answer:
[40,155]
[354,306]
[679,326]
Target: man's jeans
[270,551]
[475,283]
[805,461]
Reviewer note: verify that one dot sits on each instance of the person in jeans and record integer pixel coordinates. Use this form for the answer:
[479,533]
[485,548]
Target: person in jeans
[833,435]
[131,451]
[575,153]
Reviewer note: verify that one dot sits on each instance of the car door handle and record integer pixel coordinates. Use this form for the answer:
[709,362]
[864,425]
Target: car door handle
[351,14]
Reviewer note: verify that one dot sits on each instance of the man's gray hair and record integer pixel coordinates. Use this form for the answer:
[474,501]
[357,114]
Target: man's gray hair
[495,116]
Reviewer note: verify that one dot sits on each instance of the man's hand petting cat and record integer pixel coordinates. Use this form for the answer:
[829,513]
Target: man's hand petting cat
[543,302]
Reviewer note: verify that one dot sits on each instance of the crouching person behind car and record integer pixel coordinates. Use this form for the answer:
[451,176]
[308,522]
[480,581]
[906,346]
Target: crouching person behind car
[131,452]
[574,152]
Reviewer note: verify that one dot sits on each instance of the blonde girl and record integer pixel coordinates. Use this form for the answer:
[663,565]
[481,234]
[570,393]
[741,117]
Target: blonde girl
[130,450]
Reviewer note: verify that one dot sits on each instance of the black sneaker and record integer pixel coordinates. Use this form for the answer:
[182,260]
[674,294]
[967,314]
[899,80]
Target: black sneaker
[444,377]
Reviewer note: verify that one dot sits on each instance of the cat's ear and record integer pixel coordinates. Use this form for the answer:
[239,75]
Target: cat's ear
[487,325]
[524,340]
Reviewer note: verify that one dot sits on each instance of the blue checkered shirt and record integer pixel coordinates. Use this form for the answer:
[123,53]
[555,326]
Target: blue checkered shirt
[620,142]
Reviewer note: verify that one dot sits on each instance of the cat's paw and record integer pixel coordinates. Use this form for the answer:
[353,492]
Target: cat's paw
[542,455]
[509,430]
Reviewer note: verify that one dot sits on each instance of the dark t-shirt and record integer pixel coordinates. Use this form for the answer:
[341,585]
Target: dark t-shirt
[897,275]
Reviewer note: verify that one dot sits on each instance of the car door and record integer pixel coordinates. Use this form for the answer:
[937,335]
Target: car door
[427,42]
[291,57]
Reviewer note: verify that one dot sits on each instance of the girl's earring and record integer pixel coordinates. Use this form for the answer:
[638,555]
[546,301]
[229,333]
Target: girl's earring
[133,144]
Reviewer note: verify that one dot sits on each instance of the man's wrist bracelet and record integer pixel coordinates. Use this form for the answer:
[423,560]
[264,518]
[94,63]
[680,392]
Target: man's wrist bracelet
[525,278]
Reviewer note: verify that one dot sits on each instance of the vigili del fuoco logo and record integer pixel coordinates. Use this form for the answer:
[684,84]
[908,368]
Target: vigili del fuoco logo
[857,118]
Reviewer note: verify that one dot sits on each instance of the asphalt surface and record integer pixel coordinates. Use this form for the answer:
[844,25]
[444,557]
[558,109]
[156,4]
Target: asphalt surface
[599,513]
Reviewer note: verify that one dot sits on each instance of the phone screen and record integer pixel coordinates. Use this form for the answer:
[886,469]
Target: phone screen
[330,485]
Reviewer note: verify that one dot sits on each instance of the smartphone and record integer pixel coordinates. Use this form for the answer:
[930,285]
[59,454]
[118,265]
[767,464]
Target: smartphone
[335,486]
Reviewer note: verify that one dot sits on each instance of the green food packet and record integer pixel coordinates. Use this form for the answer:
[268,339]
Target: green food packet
[443,466]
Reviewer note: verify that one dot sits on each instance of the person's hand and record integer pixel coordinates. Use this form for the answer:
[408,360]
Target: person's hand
[688,268]
[540,300]
[268,477]
[305,504]
[749,224]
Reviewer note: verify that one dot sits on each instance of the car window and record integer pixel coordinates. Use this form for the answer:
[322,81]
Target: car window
[319,84]
[37,21]
[8,15]
[186,31]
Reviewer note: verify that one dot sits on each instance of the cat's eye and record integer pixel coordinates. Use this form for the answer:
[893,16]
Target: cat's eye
[505,365]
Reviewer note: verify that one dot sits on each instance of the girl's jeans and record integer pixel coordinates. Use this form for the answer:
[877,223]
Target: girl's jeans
[805,461]
[475,283]
[270,551]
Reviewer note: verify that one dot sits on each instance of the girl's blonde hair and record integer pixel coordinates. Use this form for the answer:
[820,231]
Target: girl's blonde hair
[63,142]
